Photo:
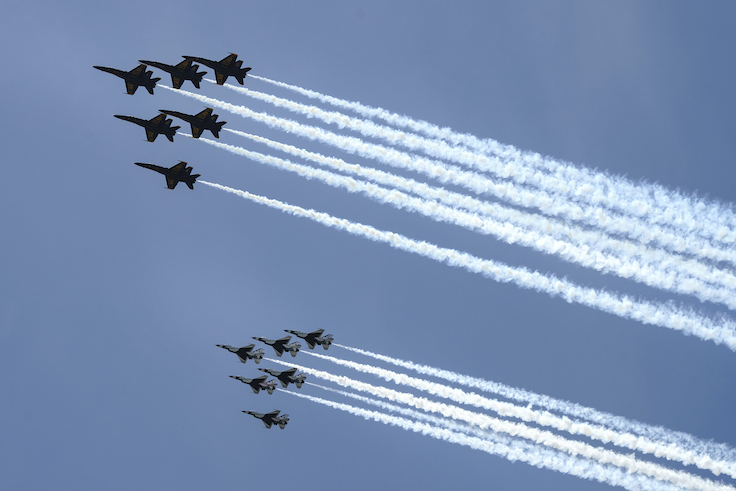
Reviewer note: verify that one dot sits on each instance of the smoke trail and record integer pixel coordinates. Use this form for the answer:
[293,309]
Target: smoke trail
[657,433]
[552,459]
[542,437]
[664,315]
[581,180]
[595,217]
[626,440]
[509,170]
[653,267]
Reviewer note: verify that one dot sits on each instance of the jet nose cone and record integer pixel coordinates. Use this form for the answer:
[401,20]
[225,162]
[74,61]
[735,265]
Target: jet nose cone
[233,376]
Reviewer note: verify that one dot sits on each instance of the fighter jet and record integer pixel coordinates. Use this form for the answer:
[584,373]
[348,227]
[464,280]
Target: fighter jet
[271,418]
[313,338]
[158,125]
[175,174]
[244,353]
[180,73]
[200,121]
[224,68]
[286,377]
[279,345]
[257,383]
[133,79]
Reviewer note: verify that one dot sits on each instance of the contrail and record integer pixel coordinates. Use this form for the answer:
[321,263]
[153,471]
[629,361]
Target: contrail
[543,437]
[678,219]
[626,440]
[551,459]
[656,433]
[651,267]
[581,180]
[592,216]
[665,315]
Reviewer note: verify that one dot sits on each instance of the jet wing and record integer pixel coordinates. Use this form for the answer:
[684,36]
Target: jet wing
[197,131]
[151,135]
[179,167]
[171,183]
[184,65]
[138,71]
[221,77]
[229,59]
[130,87]
[176,81]
[289,373]
[204,115]
[267,423]
[158,119]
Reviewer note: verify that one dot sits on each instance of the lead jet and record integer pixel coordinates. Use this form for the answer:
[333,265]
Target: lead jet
[133,79]
[226,67]
[179,73]
[313,338]
[245,353]
[271,418]
[257,383]
[280,345]
[158,125]
[200,121]
[178,173]
[286,377]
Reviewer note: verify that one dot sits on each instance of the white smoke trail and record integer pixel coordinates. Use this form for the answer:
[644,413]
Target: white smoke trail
[665,315]
[595,217]
[553,459]
[544,418]
[585,180]
[542,437]
[678,219]
[656,433]
[653,267]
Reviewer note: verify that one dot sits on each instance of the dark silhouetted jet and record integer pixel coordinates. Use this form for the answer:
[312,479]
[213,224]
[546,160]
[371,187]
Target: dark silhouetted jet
[313,338]
[271,418]
[178,173]
[228,66]
[279,345]
[158,125]
[179,73]
[287,376]
[257,383]
[200,121]
[244,353]
[133,79]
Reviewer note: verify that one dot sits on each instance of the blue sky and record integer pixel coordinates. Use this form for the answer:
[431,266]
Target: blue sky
[115,290]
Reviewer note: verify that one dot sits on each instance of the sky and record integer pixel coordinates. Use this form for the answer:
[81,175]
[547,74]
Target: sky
[114,290]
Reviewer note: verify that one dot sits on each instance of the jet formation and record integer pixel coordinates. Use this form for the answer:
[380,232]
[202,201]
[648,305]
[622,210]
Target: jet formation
[175,174]
[158,125]
[280,345]
[199,122]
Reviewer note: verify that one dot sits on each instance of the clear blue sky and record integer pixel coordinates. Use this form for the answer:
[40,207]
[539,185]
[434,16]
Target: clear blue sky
[114,290]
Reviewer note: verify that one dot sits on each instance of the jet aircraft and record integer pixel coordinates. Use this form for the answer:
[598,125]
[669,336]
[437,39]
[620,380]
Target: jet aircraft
[245,353]
[271,418]
[224,68]
[158,125]
[200,121]
[133,79]
[175,174]
[180,73]
[280,345]
[257,383]
[313,338]
[286,377]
